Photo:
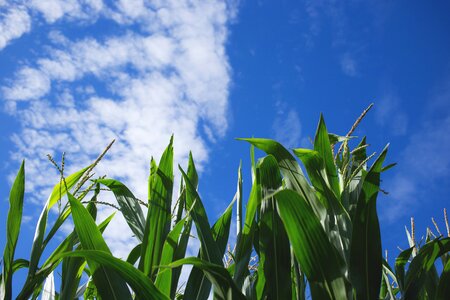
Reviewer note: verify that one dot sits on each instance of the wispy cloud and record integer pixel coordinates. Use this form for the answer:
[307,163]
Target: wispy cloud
[138,86]
[424,159]
[348,65]
[389,114]
[287,128]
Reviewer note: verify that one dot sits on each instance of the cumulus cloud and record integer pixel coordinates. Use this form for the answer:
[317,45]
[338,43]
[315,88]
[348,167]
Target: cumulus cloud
[138,86]
[28,84]
[14,22]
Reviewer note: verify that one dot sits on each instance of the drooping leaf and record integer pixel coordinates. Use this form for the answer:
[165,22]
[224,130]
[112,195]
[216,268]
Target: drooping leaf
[134,254]
[400,262]
[421,265]
[109,284]
[34,283]
[224,286]
[39,242]
[137,280]
[129,206]
[443,289]
[72,267]
[292,173]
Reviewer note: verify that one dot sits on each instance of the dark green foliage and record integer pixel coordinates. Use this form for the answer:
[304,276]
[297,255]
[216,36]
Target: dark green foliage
[316,231]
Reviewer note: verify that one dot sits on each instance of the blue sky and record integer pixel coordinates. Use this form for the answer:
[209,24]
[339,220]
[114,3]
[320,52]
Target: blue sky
[76,74]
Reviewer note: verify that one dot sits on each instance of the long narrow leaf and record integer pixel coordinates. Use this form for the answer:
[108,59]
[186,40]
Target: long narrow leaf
[443,289]
[421,265]
[210,250]
[198,286]
[157,226]
[109,284]
[137,280]
[365,249]
[323,147]
[164,278]
[274,279]
[292,173]
[224,286]
[318,259]
[12,229]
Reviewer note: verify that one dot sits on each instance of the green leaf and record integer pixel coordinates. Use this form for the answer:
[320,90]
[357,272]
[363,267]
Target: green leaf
[129,206]
[12,231]
[323,147]
[109,284]
[134,255]
[443,289]
[239,201]
[20,263]
[274,278]
[60,190]
[157,226]
[338,225]
[210,250]
[318,259]
[72,270]
[164,278]
[292,173]
[224,286]
[199,287]
[422,264]
[365,249]
[34,283]
[39,243]
[353,186]
[400,262]
[245,239]
[137,280]
[180,251]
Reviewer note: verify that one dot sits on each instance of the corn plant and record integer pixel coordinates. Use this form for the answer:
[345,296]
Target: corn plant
[315,234]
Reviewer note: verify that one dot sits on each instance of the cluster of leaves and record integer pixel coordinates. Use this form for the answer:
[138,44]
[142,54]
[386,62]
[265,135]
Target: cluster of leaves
[315,234]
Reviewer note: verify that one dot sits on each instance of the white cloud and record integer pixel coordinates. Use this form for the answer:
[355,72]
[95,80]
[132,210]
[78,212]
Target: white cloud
[348,65]
[137,86]
[13,24]
[401,199]
[29,84]
[389,114]
[424,160]
[53,10]
[287,127]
